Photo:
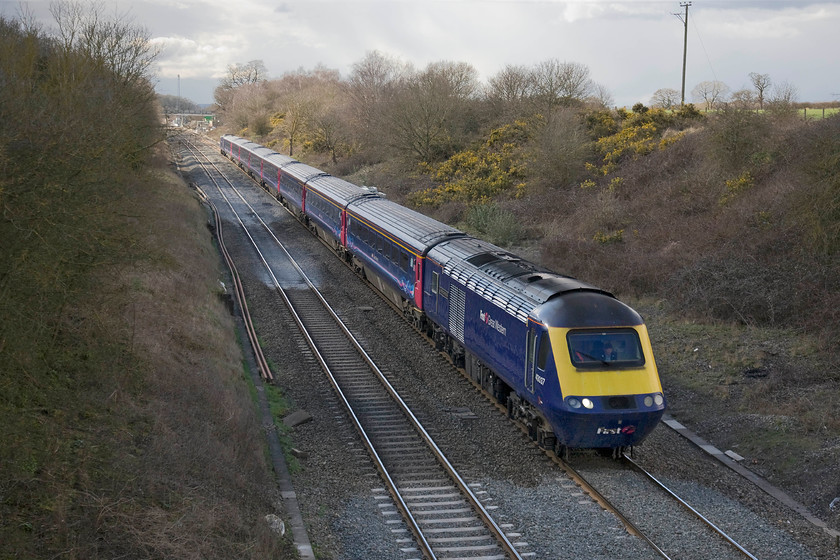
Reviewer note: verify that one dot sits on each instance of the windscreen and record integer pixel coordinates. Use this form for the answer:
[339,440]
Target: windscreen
[595,349]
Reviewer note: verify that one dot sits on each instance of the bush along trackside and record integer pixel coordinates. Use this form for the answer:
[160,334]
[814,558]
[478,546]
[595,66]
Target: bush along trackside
[127,429]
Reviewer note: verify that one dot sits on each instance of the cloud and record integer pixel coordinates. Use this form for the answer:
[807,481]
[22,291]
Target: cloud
[633,47]
[206,56]
[787,23]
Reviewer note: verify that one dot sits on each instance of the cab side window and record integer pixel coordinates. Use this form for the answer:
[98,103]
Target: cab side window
[542,351]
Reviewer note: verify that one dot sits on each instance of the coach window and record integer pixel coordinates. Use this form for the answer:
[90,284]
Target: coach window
[542,352]
[404,261]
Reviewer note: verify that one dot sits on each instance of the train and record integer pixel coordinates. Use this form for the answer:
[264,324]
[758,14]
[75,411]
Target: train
[570,361]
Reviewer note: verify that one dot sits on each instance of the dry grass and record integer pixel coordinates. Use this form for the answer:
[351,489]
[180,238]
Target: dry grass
[146,442]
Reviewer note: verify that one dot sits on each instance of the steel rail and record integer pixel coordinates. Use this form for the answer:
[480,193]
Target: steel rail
[412,522]
[638,468]
[239,289]
[605,503]
[462,485]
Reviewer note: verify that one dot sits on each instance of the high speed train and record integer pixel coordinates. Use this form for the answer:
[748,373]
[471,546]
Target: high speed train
[569,360]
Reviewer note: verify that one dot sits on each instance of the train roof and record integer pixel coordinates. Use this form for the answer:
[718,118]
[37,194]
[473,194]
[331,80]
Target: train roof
[419,231]
[279,160]
[340,191]
[262,152]
[239,141]
[511,282]
[301,171]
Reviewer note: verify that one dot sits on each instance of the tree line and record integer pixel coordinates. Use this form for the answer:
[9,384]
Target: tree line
[713,94]
[77,111]
[78,117]
[386,107]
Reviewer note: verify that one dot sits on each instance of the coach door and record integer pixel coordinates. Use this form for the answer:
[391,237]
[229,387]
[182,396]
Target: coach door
[435,289]
[530,352]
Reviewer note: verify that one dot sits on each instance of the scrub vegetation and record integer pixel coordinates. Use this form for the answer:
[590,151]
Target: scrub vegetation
[127,427]
[722,225]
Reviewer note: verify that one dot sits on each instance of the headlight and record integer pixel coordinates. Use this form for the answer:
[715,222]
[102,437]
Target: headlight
[587,403]
[573,402]
[658,399]
[648,401]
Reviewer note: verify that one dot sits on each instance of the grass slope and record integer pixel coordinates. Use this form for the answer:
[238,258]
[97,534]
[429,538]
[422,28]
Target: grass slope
[128,427]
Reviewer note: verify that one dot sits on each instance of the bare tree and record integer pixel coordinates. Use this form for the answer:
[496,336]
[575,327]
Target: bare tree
[330,132]
[173,103]
[743,99]
[371,85]
[238,75]
[710,93]
[782,99]
[508,93]
[784,92]
[115,44]
[426,112]
[512,85]
[665,98]
[559,84]
[104,62]
[561,149]
[600,96]
[252,72]
[761,83]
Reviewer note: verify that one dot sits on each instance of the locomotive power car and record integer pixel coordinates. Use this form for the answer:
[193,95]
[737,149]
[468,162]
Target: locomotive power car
[569,360]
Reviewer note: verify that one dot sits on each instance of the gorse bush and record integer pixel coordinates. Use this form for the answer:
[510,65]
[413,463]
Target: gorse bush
[637,135]
[495,168]
[741,183]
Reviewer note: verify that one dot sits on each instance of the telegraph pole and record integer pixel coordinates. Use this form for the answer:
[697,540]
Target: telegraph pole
[685,46]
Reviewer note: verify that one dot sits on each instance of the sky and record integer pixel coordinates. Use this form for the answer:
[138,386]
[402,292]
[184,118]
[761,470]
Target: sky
[631,47]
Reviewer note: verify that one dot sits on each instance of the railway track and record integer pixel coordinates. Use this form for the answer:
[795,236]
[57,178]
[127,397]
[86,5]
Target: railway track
[690,536]
[447,519]
[632,493]
[694,513]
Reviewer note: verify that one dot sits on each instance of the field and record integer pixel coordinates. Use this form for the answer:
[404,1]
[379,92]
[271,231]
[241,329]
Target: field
[822,113]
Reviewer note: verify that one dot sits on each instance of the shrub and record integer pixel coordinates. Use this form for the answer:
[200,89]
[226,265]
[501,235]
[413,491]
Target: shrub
[735,186]
[610,237]
[495,168]
[560,150]
[819,206]
[640,134]
[495,224]
[737,285]
[737,135]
